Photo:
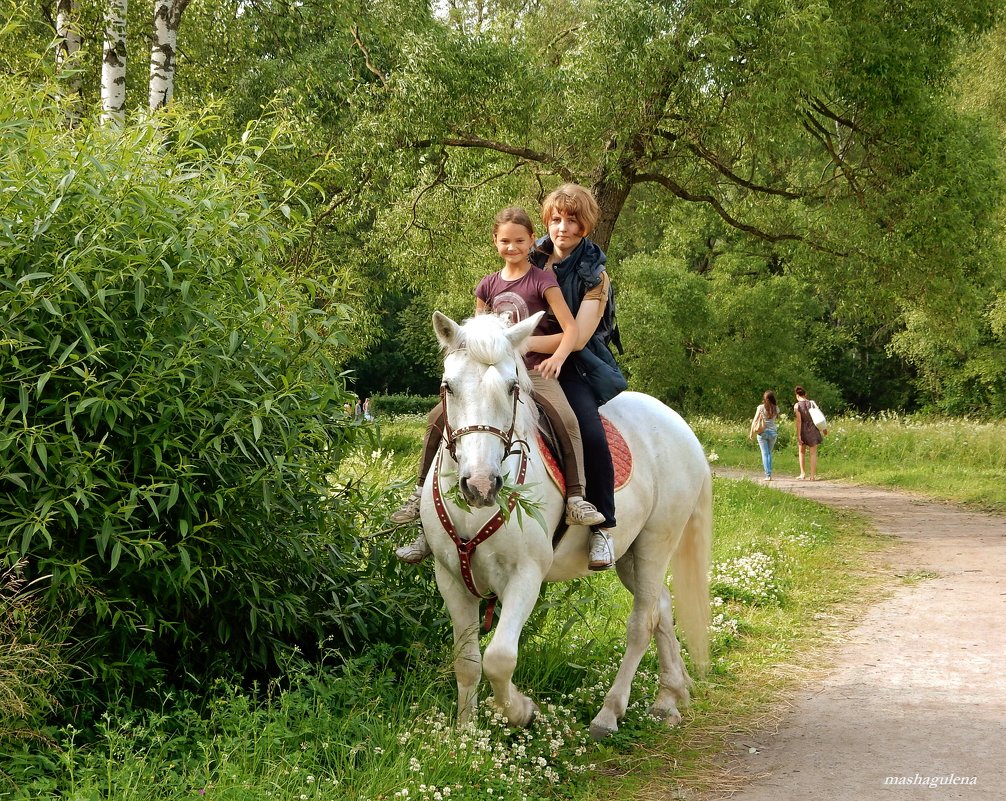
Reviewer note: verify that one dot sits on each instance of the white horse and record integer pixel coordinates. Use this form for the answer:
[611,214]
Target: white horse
[664,514]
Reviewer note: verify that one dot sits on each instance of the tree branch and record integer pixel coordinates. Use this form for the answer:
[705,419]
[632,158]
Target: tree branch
[680,191]
[710,158]
[818,105]
[468,140]
[355,31]
[813,126]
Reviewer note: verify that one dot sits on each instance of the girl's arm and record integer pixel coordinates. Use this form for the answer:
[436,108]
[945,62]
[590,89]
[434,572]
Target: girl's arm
[799,427]
[587,318]
[567,340]
[480,306]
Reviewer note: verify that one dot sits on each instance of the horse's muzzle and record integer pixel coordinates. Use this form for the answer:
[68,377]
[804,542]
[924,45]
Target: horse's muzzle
[481,491]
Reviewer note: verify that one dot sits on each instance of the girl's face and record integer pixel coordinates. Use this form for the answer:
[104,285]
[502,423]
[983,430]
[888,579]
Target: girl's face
[513,243]
[565,231]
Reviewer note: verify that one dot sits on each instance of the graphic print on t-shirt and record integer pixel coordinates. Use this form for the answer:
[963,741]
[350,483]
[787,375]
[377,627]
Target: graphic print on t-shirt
[510,307]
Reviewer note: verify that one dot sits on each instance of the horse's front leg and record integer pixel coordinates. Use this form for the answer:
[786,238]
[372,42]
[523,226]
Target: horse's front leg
[500,659]
[463,608]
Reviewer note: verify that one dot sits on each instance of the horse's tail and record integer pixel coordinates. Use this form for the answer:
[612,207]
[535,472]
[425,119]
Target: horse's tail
[690,571]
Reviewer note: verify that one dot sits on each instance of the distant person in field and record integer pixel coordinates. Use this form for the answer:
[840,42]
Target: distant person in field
[807,435]
[764,427]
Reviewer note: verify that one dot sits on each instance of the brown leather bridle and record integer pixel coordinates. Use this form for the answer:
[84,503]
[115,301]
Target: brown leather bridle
[451,435]
[466,548]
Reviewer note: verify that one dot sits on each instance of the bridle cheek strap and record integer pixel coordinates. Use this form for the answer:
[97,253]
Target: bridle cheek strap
[451,435]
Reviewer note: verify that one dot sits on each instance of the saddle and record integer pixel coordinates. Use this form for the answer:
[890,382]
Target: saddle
[621,456]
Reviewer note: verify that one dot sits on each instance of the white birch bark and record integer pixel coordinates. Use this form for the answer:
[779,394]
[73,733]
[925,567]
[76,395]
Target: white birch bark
[113,64]
[67,47]
[167,18]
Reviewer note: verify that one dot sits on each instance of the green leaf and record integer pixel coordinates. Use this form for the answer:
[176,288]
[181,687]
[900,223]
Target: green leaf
[139,294]
[116,554]
[24,279]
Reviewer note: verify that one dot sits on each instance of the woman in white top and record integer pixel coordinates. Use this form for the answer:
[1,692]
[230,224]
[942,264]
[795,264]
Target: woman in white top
[766,416]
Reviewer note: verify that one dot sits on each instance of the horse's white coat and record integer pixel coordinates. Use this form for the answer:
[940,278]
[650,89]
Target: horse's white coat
[664,520]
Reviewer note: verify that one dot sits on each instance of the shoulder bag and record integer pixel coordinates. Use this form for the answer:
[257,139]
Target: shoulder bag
[818,418]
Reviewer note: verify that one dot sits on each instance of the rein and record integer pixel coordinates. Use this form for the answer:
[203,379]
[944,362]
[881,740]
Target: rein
[466,548]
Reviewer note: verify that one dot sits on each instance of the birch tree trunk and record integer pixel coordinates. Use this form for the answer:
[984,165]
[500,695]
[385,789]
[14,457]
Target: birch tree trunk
[167,18]
[67,46]
[113,65]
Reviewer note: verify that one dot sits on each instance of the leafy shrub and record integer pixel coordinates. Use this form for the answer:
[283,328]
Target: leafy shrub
[30,663]
[396,405]
[170,412]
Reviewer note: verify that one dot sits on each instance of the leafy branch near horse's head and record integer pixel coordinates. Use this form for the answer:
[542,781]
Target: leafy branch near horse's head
[517,494]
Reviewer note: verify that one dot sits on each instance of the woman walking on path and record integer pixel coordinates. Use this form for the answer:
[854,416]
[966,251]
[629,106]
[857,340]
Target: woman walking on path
[764,426]
[807,435]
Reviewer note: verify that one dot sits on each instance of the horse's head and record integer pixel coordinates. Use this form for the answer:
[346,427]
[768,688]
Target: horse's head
[483,385]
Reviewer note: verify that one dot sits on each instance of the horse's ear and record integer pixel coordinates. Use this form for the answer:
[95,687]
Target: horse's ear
[447,331]
[519,332]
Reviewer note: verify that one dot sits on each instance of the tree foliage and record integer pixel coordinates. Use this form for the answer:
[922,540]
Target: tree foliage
[172,413]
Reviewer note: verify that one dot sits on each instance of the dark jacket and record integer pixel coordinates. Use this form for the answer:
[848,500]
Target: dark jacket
[579,272]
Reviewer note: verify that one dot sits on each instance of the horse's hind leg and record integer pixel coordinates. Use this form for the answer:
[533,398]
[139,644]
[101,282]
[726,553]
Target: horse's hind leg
[463,608]
[644,579]
[674,680]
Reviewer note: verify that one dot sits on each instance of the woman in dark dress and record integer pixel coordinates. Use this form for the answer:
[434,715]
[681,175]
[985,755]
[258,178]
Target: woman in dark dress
[807,435]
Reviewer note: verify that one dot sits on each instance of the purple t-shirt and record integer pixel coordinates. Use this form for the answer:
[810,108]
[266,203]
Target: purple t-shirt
[518,300]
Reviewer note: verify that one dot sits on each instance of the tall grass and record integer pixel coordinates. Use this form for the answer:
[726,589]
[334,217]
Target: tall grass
[956,459]
[380,726]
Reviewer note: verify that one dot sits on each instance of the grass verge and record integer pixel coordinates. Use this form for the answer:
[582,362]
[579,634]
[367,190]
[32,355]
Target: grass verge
[957,460]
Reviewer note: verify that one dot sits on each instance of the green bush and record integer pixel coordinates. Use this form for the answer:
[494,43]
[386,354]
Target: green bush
[170,413]
[397,405]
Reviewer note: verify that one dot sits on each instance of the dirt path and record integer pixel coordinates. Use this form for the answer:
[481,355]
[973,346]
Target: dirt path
[917,693]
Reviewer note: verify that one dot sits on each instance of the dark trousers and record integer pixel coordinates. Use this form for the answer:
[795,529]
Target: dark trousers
[597,466]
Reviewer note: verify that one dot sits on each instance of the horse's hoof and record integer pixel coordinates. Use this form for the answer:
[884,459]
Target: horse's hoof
[533,716]
[598,732]
[671,716]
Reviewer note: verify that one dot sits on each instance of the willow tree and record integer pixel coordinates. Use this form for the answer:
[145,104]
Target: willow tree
[800,123]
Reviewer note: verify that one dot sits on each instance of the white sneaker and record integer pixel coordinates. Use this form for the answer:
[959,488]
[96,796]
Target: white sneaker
[415,552]
[582,513]
[601,552]
[408,511]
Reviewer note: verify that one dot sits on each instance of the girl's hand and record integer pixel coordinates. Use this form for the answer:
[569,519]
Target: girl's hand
[550,367]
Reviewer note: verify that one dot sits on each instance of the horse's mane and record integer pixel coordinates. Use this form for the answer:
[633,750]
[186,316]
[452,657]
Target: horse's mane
[484,339]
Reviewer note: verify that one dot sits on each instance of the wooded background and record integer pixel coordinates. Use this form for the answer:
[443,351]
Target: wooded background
[215,213]
[793,191]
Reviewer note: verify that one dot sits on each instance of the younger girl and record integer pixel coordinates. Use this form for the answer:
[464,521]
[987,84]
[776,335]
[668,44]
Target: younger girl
[516,292]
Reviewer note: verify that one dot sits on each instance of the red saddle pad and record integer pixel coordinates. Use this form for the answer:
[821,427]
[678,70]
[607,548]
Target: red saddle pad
[621,457]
